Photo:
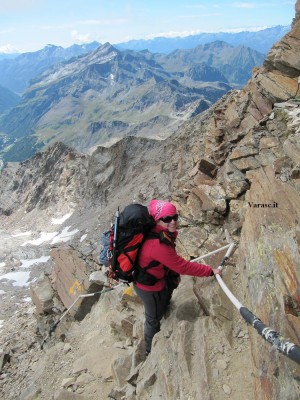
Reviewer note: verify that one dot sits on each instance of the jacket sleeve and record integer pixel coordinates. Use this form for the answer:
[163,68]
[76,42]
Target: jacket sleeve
[167,256]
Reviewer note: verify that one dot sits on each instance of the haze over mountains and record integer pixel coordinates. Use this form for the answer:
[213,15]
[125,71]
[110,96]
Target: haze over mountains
[16,70]
[107,94]
[261,40]
[95,94]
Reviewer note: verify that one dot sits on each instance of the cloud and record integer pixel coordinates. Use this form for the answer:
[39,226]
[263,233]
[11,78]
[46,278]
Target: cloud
[246,29]
[244,5]
[172,34]
[8,49]
[81,38]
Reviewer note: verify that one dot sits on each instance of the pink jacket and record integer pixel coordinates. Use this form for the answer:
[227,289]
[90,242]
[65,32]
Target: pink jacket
[154,250]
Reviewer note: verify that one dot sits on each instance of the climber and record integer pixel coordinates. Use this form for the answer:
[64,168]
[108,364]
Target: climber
[158,258]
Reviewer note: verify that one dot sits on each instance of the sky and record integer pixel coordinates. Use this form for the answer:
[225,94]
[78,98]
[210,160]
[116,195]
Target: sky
[29,25]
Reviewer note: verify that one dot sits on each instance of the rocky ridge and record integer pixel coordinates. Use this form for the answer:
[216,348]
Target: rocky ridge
[222,170]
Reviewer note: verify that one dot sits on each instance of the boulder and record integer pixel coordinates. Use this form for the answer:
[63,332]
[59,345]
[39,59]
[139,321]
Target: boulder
[234,181]
[120,368]
[205,204]
[70,279]
[246,163]
[42,295]
[247,147]
[191,240]
[212,198]
[208,168]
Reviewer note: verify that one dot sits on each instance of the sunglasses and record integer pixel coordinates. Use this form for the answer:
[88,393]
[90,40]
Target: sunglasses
[169,218]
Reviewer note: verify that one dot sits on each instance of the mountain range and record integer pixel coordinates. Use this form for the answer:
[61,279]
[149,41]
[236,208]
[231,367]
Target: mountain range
[106,94]
[232,63]
[16,73]
[95,94]
[261,40]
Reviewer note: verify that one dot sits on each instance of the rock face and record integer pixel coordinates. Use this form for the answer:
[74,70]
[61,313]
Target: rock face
[232,171]
[273,276]
[57,180]
[70,279]
[297,9]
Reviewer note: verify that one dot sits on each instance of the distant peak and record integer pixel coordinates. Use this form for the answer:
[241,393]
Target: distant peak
[51,46]
[107,45]
[107,48]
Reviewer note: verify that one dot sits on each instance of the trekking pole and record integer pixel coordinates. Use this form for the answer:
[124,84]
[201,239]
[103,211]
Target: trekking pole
[115,239]
[283,345]
[54,324]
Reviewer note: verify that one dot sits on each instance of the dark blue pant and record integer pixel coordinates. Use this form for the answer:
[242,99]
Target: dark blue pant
[155,304]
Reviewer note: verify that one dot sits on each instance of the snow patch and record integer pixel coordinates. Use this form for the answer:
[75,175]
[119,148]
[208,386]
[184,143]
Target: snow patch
[29,263]
[56,237]
[2,292]
[58,221]
[44,237]
[65,235]
[83,237]
[20,278]
[22,234]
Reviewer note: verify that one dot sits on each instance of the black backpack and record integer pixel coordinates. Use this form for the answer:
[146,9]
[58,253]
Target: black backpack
[126,237]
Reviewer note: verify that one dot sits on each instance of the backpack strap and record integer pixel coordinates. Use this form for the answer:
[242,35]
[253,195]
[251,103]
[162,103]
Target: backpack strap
[141,275]
[162,236]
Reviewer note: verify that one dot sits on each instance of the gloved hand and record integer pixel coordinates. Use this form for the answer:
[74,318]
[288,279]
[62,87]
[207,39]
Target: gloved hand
[217,271]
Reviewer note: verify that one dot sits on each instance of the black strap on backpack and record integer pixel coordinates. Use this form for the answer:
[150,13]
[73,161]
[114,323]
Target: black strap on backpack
[141,275]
